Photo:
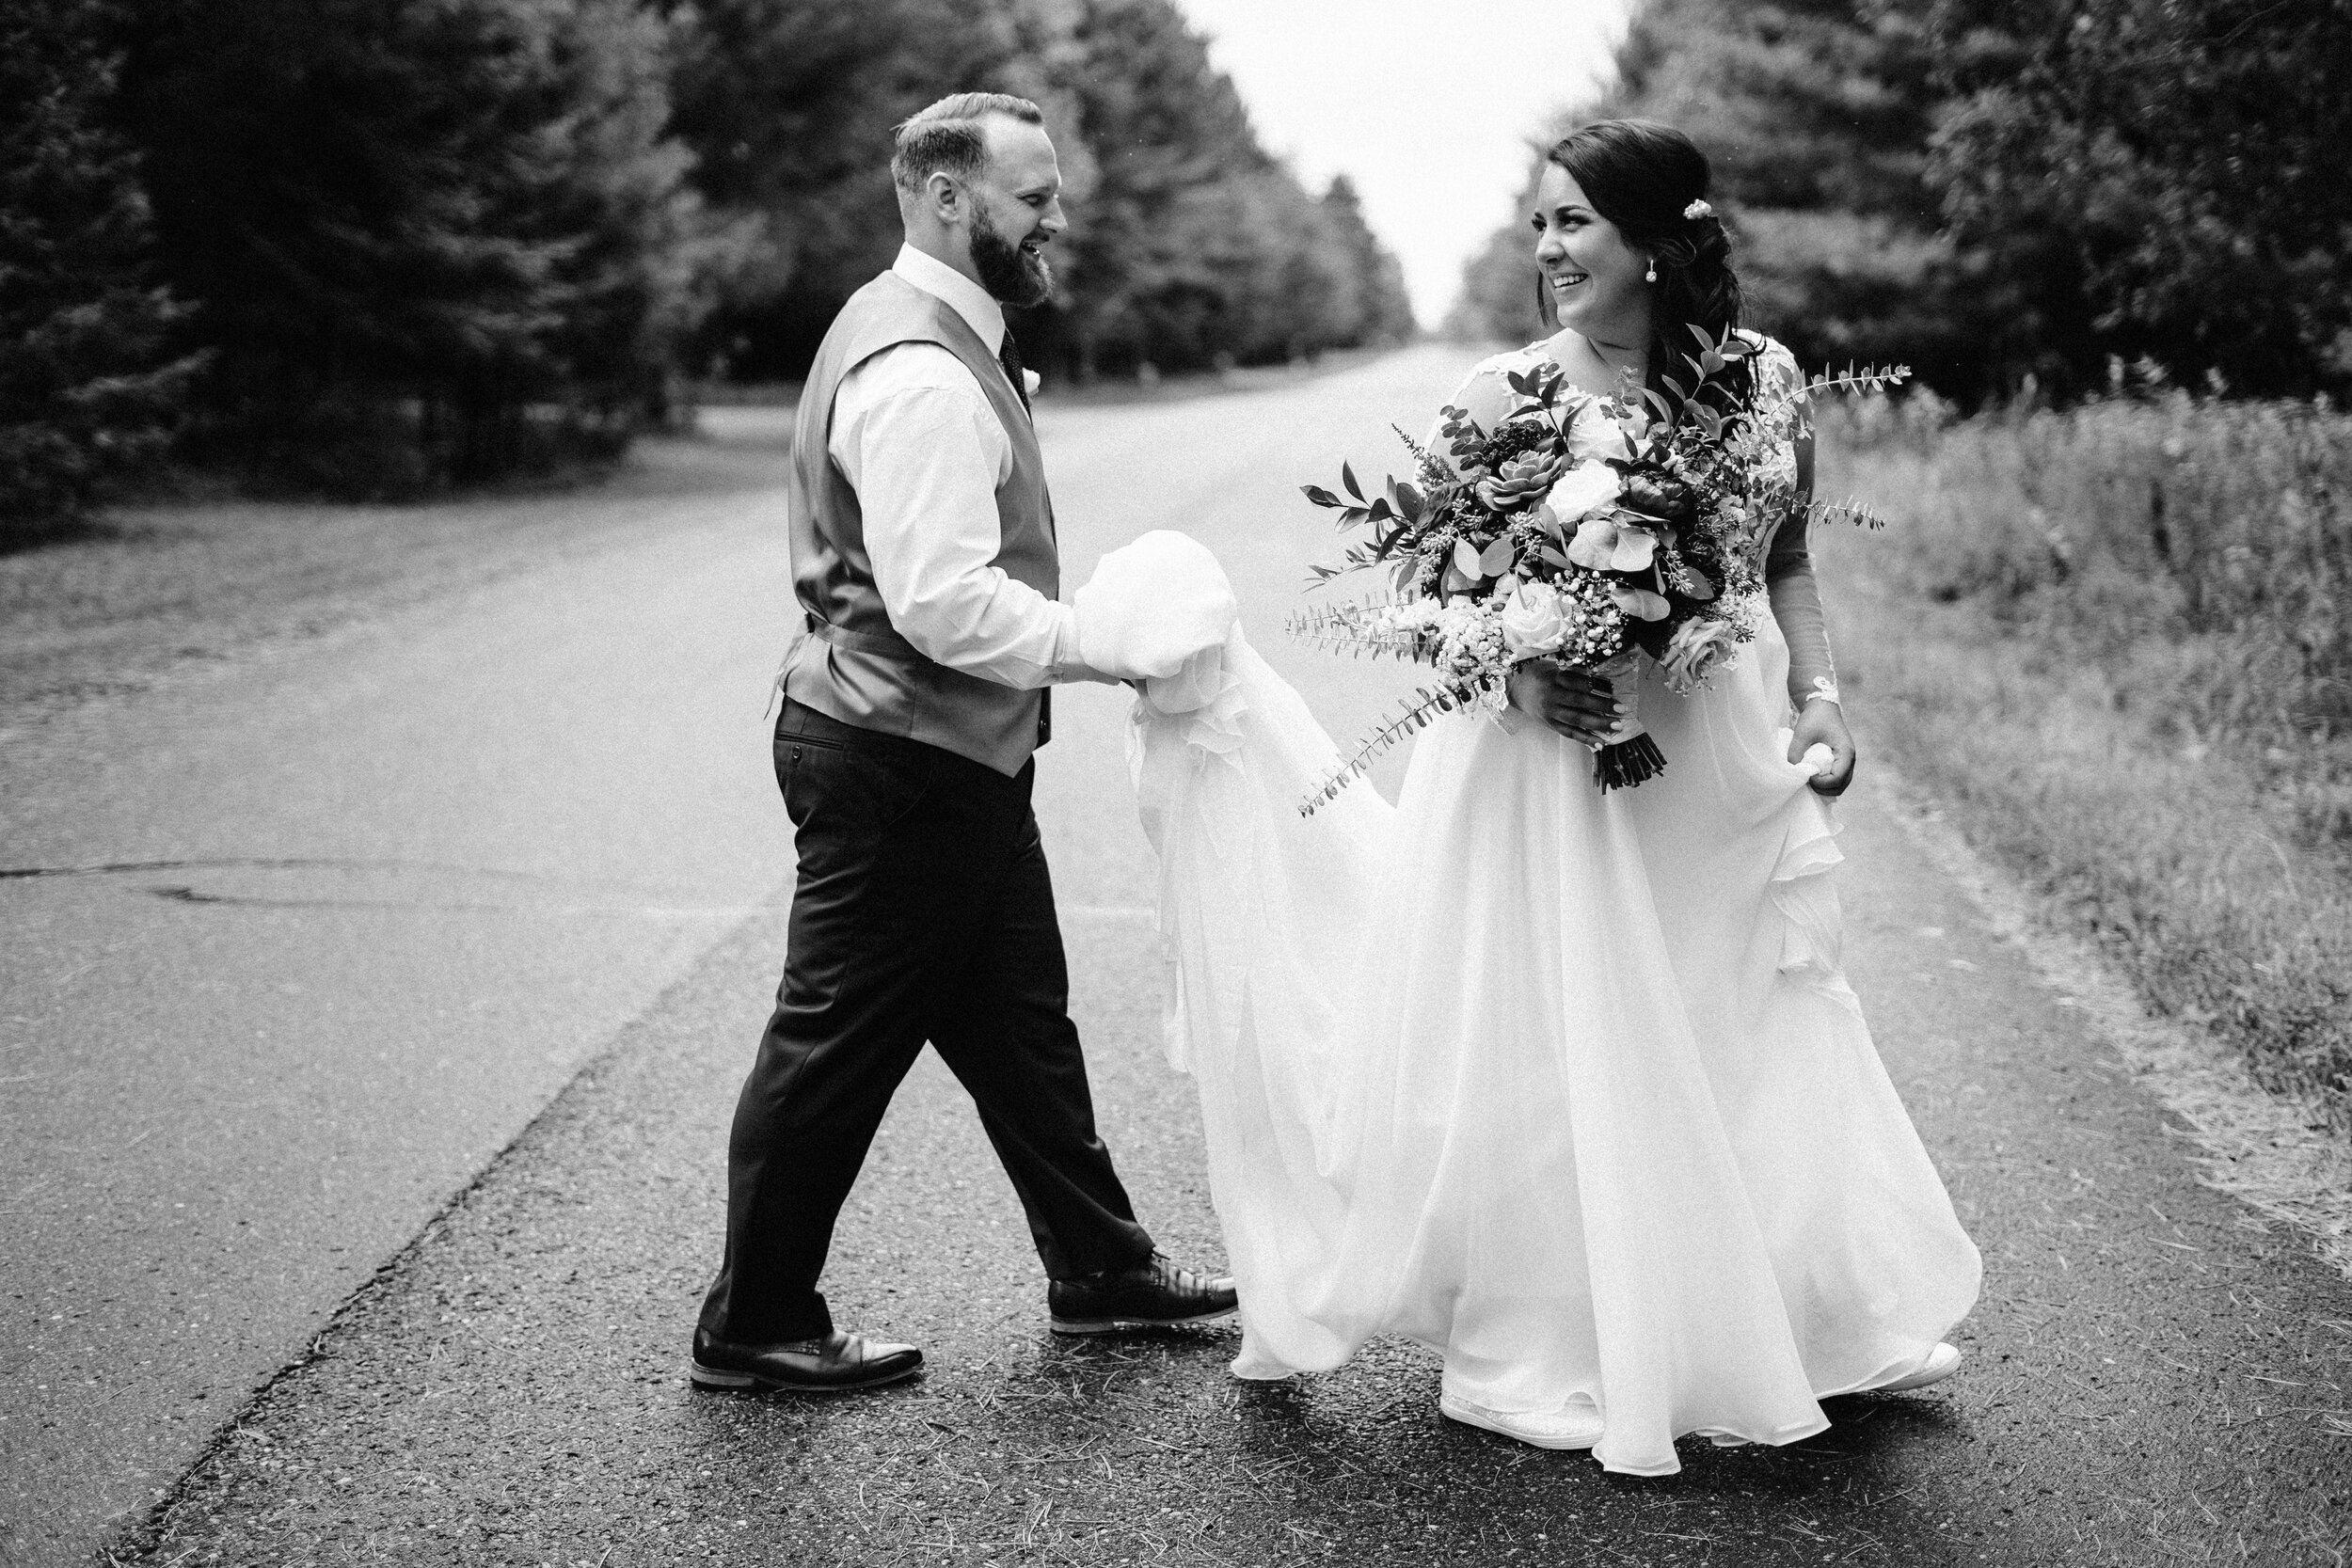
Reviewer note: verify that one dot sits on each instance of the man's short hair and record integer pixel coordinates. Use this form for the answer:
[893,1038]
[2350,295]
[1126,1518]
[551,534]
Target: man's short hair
[947,137]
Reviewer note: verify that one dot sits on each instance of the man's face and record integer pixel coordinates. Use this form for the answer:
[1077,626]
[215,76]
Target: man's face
[1016,212]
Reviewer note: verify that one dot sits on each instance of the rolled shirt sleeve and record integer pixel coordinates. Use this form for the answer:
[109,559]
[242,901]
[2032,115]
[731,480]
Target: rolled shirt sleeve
[923,450]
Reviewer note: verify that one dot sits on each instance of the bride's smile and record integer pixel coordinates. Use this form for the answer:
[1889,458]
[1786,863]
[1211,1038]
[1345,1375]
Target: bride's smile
[1597,280]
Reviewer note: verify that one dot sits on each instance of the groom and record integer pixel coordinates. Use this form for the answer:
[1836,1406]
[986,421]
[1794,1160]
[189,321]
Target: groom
[924,560]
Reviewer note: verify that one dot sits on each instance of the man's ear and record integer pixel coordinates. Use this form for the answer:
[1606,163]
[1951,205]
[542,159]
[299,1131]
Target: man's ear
[943,197]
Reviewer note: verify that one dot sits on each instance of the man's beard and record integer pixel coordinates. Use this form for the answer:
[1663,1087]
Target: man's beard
[1008,272]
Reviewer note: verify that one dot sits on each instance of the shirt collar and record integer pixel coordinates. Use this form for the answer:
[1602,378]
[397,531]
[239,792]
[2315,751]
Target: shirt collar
[972,302]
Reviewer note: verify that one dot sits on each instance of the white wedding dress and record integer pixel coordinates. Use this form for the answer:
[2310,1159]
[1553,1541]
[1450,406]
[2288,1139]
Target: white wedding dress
[1567,1086]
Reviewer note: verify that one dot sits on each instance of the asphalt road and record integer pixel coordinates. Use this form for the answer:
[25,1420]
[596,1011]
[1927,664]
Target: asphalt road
[376,898]
[397,890]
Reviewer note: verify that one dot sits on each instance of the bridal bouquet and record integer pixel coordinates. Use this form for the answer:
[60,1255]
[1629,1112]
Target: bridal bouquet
[1581,528]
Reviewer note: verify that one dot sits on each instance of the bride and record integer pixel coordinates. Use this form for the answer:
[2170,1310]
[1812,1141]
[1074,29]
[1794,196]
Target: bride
[1567,1086]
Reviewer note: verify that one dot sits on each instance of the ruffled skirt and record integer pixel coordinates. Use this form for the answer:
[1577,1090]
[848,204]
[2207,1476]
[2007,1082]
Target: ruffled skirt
[1567,1087]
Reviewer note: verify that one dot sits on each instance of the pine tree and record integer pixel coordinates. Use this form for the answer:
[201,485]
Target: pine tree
[1194,246]
[1188,244]
[1994,190]
[1815,116]
[645,274]
[1498,299]
[1384,311]
[407,224]
[2159,179]
[1162,248]
[788,107]
[87,387]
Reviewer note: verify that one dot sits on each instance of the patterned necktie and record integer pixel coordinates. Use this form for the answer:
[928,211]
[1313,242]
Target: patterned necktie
[1009,355]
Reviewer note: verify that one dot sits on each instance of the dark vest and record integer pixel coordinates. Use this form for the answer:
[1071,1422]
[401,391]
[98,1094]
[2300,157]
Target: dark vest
[849,661]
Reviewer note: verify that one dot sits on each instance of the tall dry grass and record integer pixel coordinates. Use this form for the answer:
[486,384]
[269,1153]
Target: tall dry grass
[2117,638]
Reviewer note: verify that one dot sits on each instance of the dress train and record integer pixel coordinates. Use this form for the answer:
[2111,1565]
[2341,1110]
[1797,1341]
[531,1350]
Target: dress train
[1567,1087]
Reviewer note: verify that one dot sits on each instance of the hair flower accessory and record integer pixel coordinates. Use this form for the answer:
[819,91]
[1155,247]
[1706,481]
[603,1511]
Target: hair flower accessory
[1698,209]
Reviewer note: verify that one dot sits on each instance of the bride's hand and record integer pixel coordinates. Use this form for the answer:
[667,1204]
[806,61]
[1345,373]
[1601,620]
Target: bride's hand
[1574,702]
[1823,723]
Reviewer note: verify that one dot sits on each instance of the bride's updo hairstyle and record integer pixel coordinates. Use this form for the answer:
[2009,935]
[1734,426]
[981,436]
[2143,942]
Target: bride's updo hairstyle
[1642,175]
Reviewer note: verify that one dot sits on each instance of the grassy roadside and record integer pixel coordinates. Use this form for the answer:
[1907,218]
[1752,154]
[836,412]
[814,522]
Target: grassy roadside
[2115,642]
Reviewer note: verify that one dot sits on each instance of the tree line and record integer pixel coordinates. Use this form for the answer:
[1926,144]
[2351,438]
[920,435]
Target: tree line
[383,246]
[2011,195]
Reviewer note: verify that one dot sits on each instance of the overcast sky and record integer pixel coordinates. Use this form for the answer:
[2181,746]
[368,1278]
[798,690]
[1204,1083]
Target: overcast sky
[1427,104]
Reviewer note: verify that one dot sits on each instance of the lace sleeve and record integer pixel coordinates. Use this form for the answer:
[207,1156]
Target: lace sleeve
[1778,378]
[1788,576]
[1485,396]
[1796,599]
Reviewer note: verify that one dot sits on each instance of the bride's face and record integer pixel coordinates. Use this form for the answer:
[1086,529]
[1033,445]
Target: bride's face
[1597,279]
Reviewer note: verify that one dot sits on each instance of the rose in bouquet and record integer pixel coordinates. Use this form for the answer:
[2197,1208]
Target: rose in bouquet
[1591,530]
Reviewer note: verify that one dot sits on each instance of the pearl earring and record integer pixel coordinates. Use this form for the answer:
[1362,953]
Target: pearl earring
[1651,276]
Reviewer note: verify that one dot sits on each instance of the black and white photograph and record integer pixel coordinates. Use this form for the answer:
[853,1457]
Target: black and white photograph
[1050,783]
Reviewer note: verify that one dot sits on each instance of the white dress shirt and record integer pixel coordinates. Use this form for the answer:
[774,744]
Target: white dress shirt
[920,444]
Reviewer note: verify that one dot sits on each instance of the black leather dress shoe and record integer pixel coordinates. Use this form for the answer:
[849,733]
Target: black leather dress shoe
[1153,1294]
[835,1364]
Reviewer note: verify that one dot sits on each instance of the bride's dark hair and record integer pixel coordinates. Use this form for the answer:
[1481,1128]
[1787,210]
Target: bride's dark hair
[1640,174]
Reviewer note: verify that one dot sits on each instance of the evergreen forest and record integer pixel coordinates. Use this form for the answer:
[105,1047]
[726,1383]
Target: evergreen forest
[2016,197]
[377,247]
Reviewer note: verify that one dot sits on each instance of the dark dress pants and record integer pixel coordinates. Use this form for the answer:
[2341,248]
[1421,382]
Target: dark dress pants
[923,911]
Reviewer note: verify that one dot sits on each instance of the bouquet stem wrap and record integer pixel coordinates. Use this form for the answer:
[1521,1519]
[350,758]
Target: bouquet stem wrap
[1630,755]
